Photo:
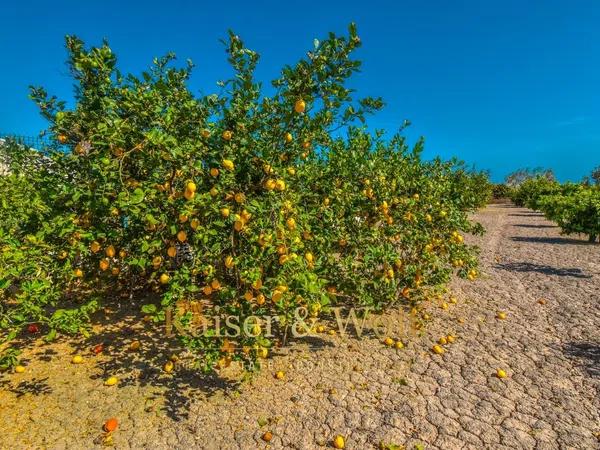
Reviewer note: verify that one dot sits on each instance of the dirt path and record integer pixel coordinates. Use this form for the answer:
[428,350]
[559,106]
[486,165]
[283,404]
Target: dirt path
[369,393]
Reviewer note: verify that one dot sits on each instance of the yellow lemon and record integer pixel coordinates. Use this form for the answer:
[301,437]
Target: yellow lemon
[110,251]
[388,341]
[339,442]
[229,262]
[501,315]
[437,349]
[172,252]
[190,186]
[77,359]
[280,375]
[299,106]
[19,369]
[500,373]
[182,236]
[227,135]
[95,247]
[289,137]
[225,212]
[280,185]
[450,339]
[111,381]
[104,264]
[399,344]
[214,172]
[164,278]
[442,341]
[168,367]
[227,164]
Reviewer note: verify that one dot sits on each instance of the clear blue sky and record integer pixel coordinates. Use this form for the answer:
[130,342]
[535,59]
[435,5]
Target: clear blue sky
[501,84]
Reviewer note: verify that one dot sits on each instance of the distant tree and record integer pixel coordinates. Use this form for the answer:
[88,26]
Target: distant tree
[596,175]
[519,176]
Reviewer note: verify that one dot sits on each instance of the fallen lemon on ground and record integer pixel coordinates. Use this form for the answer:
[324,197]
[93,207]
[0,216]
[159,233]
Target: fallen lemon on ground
[500,373]
[169,367]
[339,442]
[388,341]
[111,381]
[267,436]
[437,349]
[77,359]
[135,346]
[501,315]
[450,339]
[19,369]
[442,341]
[399,344]
[280,375]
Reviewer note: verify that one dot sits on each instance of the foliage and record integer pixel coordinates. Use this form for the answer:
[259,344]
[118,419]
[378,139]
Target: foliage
[238,204]
[501,191]
[574,210]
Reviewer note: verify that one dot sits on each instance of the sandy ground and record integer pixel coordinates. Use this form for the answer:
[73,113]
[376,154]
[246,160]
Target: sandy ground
[371,394]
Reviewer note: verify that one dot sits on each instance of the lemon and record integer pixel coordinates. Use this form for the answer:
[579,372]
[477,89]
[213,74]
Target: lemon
[229,262]
[164,278]
[280,185]
[95,247]
[339,442]
[135,346]
[501,315]
[172,252]
[168,367]
[450,339]
[280,375]
[263,352]
[227,135]
[227,164]
[442,341]
[77,359]
[182,236]
[399,345]
[19,369]
[437,349]
[225,212]
[111,381]
[110,251]
[289,137]
[267,436]
[500,373]
[388,341]
[214,172]
[300,106]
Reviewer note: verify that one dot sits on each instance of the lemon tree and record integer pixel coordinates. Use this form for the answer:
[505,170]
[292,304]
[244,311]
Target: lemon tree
[238,204]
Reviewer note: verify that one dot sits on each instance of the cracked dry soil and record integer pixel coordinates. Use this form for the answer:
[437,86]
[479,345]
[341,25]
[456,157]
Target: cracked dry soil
[369,393]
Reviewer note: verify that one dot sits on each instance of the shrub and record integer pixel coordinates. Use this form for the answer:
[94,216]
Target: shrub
[576,210]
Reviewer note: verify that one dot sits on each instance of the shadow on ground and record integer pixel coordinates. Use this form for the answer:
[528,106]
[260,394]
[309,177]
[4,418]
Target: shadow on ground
[550,240]
[527,225]
[586,354]
[529,214]
[541,268]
